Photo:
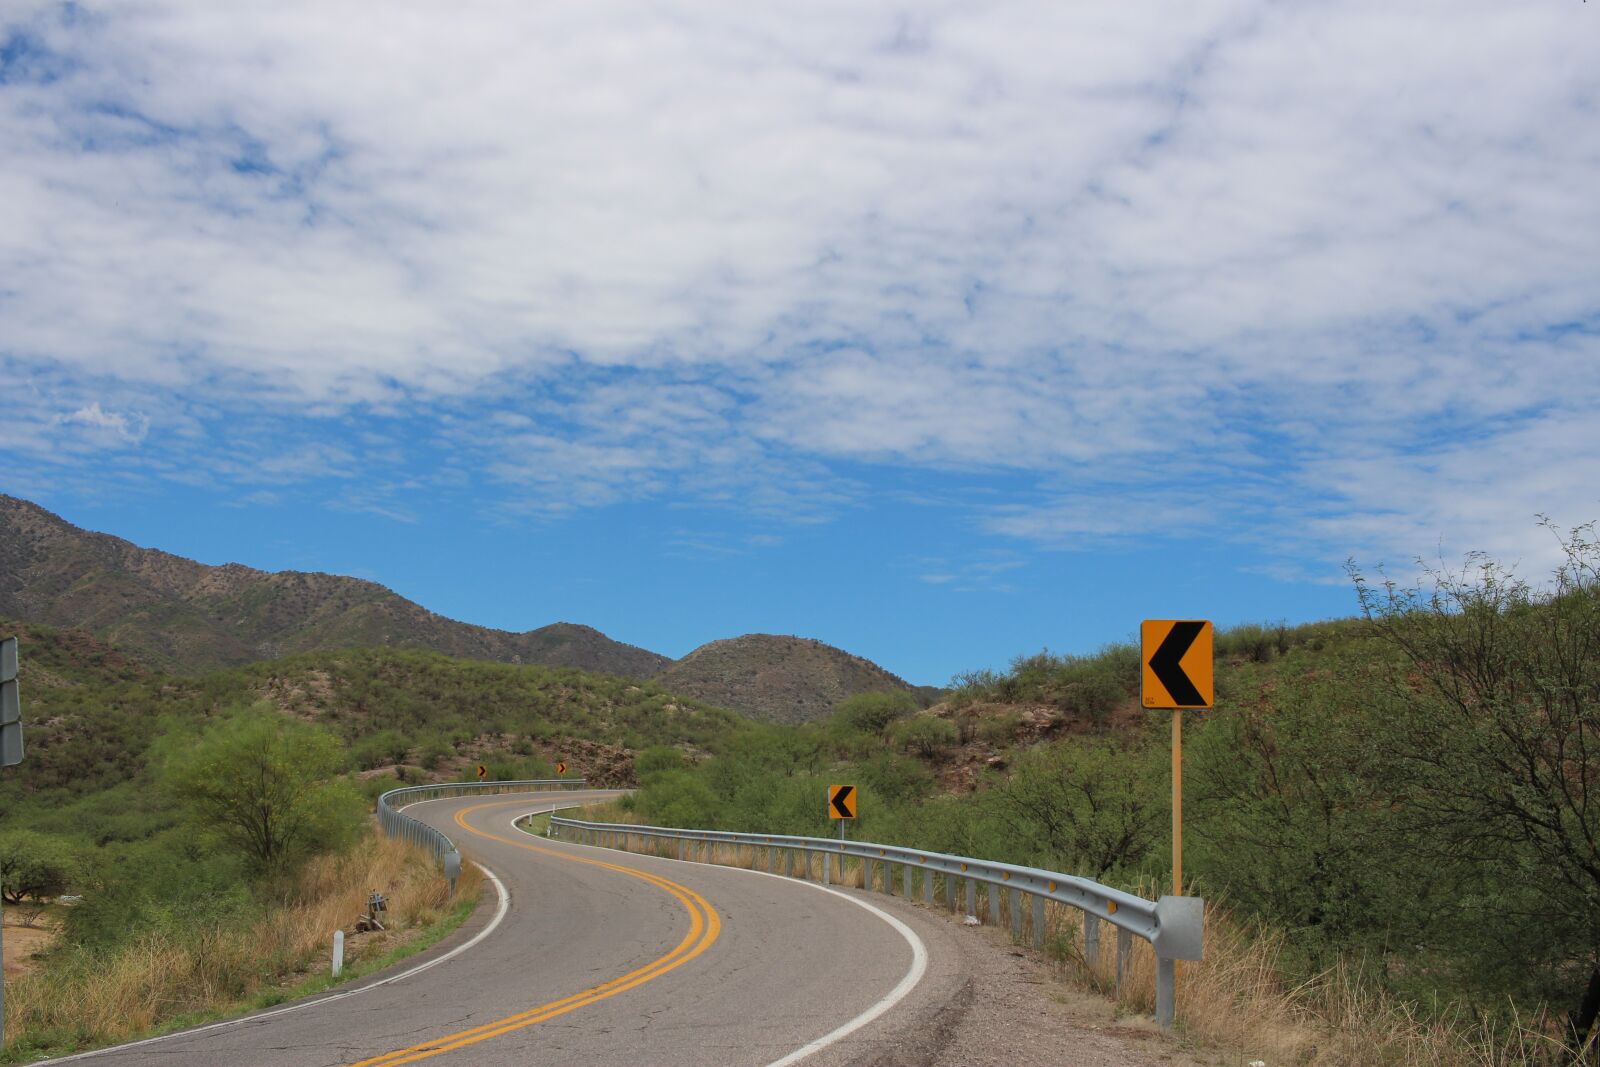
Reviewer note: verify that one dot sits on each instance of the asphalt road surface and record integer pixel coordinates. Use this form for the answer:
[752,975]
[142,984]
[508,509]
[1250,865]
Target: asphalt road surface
[594,957]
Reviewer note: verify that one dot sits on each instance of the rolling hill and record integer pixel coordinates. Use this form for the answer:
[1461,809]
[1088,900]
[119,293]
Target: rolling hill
[187,616]
[775,678]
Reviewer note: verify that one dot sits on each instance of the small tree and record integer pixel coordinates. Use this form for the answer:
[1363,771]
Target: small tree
[262,782]
[872,712]
[35,865]
[1090,805]
[1499,742]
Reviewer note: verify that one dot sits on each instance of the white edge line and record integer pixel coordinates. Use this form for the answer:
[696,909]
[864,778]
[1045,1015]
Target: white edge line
[503,907]
[913,976]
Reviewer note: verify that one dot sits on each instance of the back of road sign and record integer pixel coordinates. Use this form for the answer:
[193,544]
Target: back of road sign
[10,706]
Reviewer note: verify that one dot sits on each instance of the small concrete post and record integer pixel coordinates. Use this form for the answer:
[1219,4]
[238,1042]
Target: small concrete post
[1166,991]
[338,952]
[1124,947]
[1038,921]
[1091,939]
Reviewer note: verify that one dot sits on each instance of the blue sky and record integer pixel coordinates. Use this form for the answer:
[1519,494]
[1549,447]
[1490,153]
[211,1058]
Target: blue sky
[942,332]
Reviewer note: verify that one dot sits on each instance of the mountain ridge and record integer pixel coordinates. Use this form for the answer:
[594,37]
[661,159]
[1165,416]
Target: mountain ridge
[192,616]
[775,677]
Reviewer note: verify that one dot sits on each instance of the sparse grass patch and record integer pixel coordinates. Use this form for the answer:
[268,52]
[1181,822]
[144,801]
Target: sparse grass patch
[168,977]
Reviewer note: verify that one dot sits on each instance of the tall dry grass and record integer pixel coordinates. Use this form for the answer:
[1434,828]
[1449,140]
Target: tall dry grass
[1237,999]
[82,998]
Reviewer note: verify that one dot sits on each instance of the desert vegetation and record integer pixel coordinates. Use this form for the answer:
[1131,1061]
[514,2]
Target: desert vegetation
[1392,813]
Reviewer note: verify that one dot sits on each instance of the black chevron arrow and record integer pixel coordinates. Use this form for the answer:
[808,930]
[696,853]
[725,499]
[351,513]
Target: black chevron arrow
[838,801]
[1165,663]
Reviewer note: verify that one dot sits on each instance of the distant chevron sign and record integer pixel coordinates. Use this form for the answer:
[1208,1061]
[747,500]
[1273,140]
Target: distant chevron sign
[841,802]
[1177,663]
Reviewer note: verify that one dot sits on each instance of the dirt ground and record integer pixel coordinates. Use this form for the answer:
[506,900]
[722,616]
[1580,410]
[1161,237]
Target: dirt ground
[22,942]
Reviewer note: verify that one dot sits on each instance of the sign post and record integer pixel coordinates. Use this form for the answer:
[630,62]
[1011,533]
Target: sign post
[841,808]
[10,756]
[1177,673]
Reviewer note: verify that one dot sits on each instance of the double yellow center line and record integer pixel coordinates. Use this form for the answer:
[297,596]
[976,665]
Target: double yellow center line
[704,927]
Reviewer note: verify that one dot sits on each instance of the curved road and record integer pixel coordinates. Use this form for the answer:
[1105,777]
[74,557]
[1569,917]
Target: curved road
[606,958]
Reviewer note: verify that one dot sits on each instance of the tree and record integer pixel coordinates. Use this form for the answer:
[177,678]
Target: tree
[262,782]
[35,865]
[1499,745]
[873,711]
[1093,806]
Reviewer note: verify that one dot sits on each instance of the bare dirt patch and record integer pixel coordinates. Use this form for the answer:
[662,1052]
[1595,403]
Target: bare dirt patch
[22,942]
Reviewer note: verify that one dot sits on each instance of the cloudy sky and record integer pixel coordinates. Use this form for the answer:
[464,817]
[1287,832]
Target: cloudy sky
[941,331]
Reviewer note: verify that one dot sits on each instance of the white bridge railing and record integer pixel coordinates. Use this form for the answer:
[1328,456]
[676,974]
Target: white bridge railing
[1174,926]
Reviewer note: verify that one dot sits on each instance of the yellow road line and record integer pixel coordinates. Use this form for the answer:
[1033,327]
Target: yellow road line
[704,928]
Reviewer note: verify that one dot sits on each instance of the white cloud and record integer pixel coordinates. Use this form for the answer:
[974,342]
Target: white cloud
[107,425]
[1328,268]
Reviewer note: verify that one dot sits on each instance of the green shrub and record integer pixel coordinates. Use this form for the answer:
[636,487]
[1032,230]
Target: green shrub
[926,735]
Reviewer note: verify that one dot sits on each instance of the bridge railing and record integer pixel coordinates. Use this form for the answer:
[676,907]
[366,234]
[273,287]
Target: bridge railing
[1173,925]
[395,823]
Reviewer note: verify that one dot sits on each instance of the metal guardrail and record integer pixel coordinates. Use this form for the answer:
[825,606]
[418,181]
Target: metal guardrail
[1174,926]
[396,823]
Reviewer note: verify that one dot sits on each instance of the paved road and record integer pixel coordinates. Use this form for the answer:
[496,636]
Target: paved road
[604,958]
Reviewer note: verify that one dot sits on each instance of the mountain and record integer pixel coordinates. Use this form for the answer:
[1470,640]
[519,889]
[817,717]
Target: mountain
[180,614]
[773,678]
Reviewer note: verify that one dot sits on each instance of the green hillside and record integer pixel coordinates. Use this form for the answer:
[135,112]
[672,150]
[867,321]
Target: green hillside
[92,713]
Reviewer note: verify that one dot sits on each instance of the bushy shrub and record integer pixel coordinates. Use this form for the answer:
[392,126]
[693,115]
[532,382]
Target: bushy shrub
[871,713]
[925,735]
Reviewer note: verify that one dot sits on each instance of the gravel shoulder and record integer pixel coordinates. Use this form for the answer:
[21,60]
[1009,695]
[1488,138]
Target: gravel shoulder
[1012,1007]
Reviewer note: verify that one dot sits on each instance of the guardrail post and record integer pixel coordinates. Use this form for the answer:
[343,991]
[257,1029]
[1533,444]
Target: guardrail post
[993,893]
[927,886]
[1091,938]
[972,898]
[1015,900]
[772,860]
[452,869]
[1166,991]
[1124,948]
[905,880]
[1038,921]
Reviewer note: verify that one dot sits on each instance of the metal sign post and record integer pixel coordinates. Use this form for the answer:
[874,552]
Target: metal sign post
[10,756]
[841,808]
[1177,673]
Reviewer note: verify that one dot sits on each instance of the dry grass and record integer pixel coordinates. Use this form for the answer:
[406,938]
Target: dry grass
[1236,1000]
[84,998]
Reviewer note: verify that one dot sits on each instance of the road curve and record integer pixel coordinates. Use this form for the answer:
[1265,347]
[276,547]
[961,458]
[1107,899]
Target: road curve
[604,958]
